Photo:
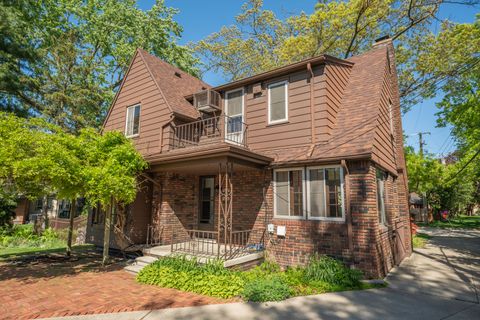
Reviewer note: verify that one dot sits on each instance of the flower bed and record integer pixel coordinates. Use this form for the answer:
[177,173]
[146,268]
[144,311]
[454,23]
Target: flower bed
[262,283]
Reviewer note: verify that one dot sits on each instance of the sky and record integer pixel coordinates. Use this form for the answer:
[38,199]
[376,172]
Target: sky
[200,18]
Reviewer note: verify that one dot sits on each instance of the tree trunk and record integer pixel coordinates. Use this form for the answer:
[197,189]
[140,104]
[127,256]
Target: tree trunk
[45,211]
[73,211]
[106,234]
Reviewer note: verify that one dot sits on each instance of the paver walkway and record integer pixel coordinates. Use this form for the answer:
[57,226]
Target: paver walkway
[438,282]
[50,286]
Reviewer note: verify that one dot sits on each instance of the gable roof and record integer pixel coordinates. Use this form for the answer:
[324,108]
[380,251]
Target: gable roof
[174,84]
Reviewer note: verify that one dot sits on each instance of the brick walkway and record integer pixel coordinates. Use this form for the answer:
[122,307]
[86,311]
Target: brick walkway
[51,286]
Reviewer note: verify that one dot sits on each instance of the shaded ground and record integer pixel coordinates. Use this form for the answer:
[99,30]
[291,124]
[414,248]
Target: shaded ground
[51,285]
[460,222]
[440,281]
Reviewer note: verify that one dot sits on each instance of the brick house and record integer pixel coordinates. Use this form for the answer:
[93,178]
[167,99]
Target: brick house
[306,158]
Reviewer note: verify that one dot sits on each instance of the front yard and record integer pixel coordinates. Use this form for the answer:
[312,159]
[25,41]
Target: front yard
[460,222]
[47,285]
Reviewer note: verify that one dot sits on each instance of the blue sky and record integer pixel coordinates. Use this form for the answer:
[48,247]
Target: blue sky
[201,18]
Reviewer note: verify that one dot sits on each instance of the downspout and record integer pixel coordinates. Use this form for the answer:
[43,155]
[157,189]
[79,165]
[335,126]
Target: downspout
[348,213]
[172,117]
[312,111]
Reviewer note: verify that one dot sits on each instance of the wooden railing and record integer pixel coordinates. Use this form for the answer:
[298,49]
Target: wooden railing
[210,130]
[206,244]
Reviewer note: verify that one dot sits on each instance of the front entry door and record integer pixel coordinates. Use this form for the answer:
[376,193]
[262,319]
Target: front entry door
[207,201]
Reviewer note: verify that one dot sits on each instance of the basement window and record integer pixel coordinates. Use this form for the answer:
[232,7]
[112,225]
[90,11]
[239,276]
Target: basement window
[132,125]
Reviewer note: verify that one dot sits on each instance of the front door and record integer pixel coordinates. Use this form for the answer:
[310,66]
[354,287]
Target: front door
[207,201]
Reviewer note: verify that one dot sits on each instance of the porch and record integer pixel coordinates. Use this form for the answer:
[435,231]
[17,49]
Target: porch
[207,203]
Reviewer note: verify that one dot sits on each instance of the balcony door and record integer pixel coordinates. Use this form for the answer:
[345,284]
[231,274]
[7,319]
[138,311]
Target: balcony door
[234,121]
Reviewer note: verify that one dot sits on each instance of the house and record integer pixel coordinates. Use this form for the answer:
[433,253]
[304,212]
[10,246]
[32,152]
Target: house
[29,210]
[306,158]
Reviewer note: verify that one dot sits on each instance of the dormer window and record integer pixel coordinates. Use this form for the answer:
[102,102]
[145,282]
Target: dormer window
[132,125]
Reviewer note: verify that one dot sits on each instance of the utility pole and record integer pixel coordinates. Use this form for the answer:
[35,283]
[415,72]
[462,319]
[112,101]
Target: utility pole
[421,142]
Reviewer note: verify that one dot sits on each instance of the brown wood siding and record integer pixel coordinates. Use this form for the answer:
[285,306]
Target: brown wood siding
[297,131]
[140,88]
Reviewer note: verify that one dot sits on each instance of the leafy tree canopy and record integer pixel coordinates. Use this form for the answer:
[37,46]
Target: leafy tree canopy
[260,41]
[63,59]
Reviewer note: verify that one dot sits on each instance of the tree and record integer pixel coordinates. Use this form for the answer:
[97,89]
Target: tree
[38,157]
[260,41]
[64,59]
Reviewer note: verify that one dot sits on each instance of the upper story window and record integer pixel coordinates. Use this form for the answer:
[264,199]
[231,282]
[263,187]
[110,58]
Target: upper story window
[133,121]
[278,102]
[382,214]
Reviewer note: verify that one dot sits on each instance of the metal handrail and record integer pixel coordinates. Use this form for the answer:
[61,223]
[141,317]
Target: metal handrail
[210,130]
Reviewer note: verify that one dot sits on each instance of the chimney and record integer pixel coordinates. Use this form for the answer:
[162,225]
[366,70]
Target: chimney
[382,41]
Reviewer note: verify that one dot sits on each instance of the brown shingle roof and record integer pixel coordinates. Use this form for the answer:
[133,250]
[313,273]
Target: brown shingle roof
[173,87]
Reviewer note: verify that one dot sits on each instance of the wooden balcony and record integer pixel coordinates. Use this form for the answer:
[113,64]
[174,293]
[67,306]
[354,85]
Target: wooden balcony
[210,131]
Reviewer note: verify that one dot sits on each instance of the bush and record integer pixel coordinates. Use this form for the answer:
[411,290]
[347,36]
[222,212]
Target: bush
[270,289]
[331,271]
[24,236]
[186,274]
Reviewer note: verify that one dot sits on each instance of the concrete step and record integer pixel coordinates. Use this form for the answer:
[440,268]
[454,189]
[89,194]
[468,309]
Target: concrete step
[146,259]
[133,268]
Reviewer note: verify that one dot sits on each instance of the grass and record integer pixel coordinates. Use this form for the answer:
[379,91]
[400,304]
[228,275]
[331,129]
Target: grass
[420,240]
[460,222]
[13,252]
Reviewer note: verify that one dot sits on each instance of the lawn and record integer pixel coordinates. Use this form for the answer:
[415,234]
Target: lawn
[420,240]
[460,222]
[13,252]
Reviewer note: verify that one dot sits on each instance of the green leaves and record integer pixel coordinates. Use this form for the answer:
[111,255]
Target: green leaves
[64,59]
[38,158]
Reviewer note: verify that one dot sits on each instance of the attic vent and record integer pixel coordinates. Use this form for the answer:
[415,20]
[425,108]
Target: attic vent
[385,37]
[178,74]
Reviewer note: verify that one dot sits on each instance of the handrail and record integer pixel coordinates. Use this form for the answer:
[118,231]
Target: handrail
[210,130]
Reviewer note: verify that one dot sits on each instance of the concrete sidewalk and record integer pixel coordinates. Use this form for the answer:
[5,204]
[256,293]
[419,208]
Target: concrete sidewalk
[437,282]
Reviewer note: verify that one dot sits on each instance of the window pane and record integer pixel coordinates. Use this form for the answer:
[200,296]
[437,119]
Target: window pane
[136,119]
[278,110]
[317,193]
[296,193]
[234,104]
[381,197]
[333,192]
[281,193]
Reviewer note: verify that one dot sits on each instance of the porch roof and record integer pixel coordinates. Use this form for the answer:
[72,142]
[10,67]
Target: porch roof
[206,158]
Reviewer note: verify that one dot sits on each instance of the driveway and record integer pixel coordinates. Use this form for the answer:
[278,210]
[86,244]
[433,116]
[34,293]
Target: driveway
[440,281]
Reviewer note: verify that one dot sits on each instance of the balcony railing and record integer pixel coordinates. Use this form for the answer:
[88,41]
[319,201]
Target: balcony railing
[210,130]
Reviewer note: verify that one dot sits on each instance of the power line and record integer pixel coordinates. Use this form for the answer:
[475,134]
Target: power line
[464,166]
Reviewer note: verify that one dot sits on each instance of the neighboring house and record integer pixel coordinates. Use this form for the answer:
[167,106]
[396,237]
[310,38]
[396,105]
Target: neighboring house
[28,210]
[303,159]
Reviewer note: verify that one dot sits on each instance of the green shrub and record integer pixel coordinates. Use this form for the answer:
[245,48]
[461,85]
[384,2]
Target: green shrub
[331,271]
[186,274]
[24,236]
[270,289]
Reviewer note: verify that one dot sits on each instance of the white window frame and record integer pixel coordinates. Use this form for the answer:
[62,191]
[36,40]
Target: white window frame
[390,115]
[243,114]
[382,217]
[342,194]
[277,84]
[278,216]
[126,121]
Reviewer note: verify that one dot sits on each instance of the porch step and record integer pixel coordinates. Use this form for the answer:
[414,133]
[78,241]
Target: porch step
[140,263]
